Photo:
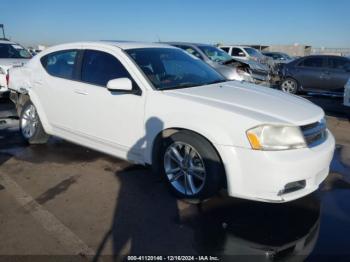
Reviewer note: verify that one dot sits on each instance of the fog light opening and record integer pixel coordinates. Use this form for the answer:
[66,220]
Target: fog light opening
[292,187]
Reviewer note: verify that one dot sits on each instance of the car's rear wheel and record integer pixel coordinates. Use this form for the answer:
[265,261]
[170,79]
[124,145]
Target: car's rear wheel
[191,166]
[289,85]
[30,125]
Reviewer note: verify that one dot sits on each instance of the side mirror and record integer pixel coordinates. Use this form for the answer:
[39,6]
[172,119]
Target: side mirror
[120,84]
[241,54]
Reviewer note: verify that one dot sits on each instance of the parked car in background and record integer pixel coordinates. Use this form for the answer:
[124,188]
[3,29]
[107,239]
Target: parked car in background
[11,54]
[347,94]
[154,104]
[232,69]
[278,57]
[245,53]
[316,73]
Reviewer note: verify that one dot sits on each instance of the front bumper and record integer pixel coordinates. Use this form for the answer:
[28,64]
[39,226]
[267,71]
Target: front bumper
[262,175]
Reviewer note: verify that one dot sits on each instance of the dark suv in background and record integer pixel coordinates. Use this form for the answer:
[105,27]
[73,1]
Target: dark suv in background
[316,73]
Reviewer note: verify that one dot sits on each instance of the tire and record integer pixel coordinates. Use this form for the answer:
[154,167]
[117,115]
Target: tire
[290,85]
[200,175]
[30,125]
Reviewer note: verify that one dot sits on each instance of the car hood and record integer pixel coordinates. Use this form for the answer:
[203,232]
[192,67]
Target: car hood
[253,64]
[11,62]
[256,101]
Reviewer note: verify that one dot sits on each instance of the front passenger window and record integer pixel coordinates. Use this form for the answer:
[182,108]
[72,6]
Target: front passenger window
[99,67]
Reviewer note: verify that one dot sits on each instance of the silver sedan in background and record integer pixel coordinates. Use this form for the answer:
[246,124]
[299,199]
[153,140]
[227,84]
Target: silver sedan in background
[230,68]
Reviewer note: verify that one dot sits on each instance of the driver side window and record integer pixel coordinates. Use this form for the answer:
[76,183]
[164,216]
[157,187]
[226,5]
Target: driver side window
[99,67]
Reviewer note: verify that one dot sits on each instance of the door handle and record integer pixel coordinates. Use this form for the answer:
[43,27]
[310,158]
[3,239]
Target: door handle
[80,92]
[38,82]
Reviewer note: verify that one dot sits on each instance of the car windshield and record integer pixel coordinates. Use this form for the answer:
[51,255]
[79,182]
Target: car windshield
[215,54]
[253,52]
[170,68]
[286,56]
[13,51]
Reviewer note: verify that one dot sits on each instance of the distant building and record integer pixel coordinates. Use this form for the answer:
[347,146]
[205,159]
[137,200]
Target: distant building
[331,51]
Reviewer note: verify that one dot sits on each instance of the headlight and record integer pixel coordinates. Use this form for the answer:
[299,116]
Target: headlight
[270,137]
[2,71]
[245,75]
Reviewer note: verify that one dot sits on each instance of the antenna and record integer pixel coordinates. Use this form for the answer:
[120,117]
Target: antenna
[3,30]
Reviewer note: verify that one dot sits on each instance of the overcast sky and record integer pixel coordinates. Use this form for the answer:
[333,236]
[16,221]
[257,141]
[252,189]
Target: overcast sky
[313,22]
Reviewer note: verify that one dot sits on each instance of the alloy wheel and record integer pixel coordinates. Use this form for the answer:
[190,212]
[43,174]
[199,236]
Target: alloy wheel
[184,168]
[29,121]
[289,86]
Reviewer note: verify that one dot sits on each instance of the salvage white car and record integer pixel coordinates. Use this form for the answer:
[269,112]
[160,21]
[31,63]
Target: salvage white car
[157,105]
[11,54]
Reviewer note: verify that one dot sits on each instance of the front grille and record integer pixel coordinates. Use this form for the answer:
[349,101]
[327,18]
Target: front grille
[315,133]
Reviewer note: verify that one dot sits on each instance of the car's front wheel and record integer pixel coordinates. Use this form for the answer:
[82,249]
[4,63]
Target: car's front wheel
[289,85]
[191,166]
[30,125]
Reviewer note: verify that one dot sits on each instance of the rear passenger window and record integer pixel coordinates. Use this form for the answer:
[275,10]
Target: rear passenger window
[60,64]
[99,67]
[339,63]
[312,62]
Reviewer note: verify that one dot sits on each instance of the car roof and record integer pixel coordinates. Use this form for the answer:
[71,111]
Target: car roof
[4,41]
[187,43]
[241,46]
[133,44]
[323,56]
[124,45]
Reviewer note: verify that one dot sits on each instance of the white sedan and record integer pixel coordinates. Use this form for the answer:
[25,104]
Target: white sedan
[155,104]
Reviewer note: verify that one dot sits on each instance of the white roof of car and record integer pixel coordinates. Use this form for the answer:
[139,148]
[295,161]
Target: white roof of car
[132,45]
[241,46]
[120,44]
[7,42]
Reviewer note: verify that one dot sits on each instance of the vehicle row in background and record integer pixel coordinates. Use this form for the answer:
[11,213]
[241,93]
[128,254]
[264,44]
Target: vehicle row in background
[230,68]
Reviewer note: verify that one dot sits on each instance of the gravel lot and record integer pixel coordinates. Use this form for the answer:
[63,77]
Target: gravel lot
[62,199]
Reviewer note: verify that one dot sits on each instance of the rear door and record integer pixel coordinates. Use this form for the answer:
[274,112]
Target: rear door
[55,87]
[338,73]
[311,73]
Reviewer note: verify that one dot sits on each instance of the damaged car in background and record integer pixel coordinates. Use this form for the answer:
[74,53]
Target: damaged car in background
[230,68]
[11,55]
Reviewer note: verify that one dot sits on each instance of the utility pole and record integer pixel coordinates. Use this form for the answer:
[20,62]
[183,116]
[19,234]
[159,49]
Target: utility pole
[3,30]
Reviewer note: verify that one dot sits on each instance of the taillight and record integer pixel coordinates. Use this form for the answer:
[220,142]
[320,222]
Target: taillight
[7,79]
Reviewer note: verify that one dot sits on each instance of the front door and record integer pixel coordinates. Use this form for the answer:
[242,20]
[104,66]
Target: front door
[112,121]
